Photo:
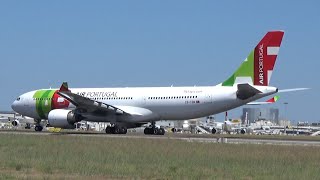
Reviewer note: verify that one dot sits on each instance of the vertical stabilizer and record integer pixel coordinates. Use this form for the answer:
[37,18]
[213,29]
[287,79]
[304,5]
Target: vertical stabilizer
[258,66]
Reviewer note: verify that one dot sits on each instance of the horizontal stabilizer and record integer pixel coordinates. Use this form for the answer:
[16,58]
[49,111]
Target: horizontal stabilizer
[246,91]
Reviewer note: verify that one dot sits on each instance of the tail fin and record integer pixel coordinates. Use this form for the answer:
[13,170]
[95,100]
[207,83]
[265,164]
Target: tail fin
[258,66]
[274,99]
[269,101]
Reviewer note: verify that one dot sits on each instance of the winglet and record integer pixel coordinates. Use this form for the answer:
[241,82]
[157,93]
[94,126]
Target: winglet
[64,87]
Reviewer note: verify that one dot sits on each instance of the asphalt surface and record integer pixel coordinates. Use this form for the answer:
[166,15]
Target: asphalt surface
[171,136]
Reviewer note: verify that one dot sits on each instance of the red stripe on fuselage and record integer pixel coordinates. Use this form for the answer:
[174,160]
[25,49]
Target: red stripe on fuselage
[59,102]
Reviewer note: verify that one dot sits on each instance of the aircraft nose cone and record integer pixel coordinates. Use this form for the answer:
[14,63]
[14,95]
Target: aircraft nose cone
[14,106]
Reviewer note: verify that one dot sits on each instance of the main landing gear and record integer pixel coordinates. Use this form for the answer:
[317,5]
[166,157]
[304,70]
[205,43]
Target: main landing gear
[154,130]
[116,130]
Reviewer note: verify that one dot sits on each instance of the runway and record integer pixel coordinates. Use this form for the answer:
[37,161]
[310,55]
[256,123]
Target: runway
[171,136]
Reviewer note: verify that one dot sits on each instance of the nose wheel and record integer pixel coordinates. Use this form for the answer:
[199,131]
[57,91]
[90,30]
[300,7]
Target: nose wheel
[38,128]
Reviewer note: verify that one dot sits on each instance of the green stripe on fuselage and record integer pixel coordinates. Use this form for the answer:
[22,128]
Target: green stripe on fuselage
[43,102]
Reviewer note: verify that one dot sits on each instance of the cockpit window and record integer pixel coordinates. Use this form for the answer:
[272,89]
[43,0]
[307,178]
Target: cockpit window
[18,99]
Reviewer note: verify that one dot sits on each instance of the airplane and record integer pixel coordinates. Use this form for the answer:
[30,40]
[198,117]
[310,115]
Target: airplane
[127,108]
[234,126]
[22,120]
[269,101]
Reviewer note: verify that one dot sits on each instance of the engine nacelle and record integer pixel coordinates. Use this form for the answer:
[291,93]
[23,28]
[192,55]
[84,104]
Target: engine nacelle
[243,131]
[214,131]
[15,123]
[63,118]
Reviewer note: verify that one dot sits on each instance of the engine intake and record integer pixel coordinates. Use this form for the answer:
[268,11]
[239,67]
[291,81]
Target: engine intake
[15,122]
[63,118]
[243,131]
[214,131]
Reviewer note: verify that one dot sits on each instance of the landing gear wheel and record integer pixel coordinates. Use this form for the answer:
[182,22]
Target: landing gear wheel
[146,130]
[161,131]
[123,130]
[109,130]
[155,131]
[38,128]
[116,130]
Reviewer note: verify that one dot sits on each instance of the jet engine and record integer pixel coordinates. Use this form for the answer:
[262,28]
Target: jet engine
[63,118]
[243,131]
[15,122]
[174,129]
[214,130]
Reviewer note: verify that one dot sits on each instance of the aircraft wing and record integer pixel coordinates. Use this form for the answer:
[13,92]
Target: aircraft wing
[269,101]
[90,106]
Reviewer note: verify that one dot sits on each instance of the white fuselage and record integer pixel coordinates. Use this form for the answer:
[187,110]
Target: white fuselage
[156,103]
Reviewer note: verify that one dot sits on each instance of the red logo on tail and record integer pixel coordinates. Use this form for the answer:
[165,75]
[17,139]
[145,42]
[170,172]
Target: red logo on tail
[263,59]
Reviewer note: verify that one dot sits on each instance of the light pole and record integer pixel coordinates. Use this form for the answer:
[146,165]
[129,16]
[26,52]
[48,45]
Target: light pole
[285,110]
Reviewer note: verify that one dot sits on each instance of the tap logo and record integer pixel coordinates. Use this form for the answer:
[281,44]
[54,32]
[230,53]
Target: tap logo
[46,100]
[59,102]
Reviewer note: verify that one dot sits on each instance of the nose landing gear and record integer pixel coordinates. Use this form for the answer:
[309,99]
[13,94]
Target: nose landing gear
[38,126]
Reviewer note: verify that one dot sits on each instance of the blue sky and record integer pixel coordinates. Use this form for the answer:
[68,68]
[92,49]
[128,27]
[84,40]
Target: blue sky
[156,43]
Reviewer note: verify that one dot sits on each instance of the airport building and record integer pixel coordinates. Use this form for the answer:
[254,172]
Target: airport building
[7,114]
[251,115]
